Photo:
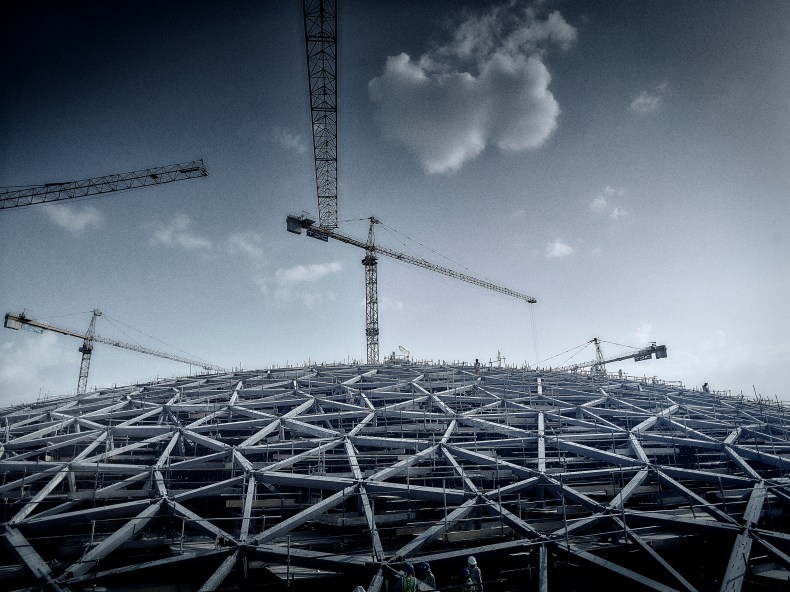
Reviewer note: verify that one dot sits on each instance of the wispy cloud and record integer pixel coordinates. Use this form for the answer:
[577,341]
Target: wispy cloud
[297,283]
[649,101]
[488,84]
[289,139]
[599,204]
[178,233]
[75,219]
[306,273]
[602,203]
[618,213]
[557,249]
[249,244]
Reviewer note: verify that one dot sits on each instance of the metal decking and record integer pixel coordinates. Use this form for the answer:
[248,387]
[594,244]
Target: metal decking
[336,476]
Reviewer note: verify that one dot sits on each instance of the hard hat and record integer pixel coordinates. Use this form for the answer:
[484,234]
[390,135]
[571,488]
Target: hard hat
[409,568]
[424,565]
[472,560]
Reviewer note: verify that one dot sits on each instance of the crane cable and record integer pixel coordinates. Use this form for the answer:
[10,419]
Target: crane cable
[394,231]
[113,321]
[580,349]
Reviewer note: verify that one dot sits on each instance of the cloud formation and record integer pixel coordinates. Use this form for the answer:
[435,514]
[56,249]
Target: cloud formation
[289,283]
[601,203]
[649,102]
[249,244]
[178,233]
[72,218]
[487,85]
[289,139]
[557,249]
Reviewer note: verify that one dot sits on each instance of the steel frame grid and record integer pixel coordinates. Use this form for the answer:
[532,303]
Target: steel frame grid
[343,473]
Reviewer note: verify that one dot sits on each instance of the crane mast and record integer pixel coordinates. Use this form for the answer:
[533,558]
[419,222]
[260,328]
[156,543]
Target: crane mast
[89,338]
[50,192]
[87,350]
[320,31]
[296,224]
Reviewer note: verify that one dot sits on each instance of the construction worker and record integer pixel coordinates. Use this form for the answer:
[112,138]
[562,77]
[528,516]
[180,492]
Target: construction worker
[475,574]
[426,575]
[477,367]
[469,585]
[407,582]
[705,388]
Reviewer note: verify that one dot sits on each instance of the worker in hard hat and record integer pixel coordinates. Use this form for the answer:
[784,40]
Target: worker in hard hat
[475,574]
[469,585]
[407,582]
[426,575]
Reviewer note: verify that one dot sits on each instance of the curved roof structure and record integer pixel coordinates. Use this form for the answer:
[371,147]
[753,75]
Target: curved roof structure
[337,476]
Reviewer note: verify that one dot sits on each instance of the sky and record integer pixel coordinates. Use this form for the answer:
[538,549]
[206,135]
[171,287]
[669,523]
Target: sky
[626,163]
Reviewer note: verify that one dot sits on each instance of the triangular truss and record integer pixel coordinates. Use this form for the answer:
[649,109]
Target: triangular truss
[339,475]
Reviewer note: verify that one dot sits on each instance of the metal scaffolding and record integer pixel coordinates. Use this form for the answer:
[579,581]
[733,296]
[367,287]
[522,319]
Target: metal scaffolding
[338,476]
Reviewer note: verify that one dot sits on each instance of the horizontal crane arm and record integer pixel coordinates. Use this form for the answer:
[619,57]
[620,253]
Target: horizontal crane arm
[296,223]
[49,192]
[17,321]
[660,351]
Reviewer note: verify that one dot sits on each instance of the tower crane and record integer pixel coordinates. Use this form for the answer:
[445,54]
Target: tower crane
[16,322]
[320,27]
[598,365]
[298,223]
[14,197]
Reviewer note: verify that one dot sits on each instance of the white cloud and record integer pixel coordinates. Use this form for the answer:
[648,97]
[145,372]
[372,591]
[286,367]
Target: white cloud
[618,213]
[649,102]
[558,249]
[296,283]
[602,205]
[306,273]
[178,233]
[489,84]
[599,204]
[72,218]
[645,103]
[289,139]
[245,243]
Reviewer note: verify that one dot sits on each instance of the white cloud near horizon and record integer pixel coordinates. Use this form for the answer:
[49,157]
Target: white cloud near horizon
[557,249]
[73,218]
[487,85]
[178,233]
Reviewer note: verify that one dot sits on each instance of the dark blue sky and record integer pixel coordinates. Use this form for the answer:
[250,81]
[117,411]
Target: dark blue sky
[626,163]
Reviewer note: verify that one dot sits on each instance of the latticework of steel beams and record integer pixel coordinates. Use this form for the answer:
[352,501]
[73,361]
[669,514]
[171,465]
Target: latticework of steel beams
[320,22]
[338,475]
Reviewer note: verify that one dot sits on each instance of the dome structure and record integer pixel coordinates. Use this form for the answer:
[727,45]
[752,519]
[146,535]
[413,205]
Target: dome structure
[339,476]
